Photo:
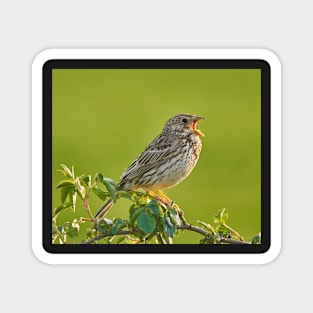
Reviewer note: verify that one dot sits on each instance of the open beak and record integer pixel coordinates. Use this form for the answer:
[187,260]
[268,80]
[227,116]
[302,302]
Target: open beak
[193,125]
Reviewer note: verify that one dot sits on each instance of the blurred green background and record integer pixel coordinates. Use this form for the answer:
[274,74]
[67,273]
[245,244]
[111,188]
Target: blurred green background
[103,118]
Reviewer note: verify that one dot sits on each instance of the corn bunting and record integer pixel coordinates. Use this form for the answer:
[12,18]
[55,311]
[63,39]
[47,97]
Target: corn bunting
[165,162]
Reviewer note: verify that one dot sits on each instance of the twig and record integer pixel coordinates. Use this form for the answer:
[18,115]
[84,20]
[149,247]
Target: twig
[62,241]
[234,241]
[204,233]
[108,234]
[233,231]
[87,207]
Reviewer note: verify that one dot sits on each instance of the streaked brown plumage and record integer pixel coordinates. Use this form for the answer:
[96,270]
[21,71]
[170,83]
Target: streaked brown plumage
[166,161]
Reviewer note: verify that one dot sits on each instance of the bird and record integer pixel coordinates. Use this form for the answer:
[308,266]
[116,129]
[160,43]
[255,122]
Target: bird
[165,162]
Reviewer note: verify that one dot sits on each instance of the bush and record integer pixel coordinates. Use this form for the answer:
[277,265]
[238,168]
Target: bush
[150,221]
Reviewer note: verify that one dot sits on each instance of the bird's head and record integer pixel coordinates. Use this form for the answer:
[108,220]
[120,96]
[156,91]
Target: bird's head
[184,123]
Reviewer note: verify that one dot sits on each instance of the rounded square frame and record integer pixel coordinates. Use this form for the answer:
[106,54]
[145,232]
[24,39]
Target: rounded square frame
[157,258]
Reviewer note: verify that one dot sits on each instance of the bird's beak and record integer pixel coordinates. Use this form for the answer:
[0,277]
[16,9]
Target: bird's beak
[193,125]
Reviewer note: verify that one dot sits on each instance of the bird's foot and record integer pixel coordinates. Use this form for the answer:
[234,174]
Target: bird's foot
[163,199]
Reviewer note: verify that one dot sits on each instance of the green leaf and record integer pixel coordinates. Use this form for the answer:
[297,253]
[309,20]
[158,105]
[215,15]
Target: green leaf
[218,216]
[169,228]
[224,217]
[116,225]
[73,174]
[134,214]
[132,208]
[98,177]
[156,210]
[146,222]
[174,216]
[256,240]
[100,192]
[65,183]
[66,171]
[102,226]
[71,230]
[125,194]
[86,180]
[223,231]
[62,207]
[111,186]
[216,220]
[111,181]
[67,193]
[90,233]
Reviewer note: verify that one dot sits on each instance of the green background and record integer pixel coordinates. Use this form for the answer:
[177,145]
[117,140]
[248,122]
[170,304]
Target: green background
[103,118]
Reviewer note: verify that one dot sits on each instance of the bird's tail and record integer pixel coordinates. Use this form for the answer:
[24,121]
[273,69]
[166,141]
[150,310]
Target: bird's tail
[104,210]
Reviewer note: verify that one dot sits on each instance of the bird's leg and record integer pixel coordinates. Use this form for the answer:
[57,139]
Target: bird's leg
[169,202]
[165,198]
[158,197]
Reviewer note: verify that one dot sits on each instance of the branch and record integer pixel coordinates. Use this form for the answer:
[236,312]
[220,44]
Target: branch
[183,227]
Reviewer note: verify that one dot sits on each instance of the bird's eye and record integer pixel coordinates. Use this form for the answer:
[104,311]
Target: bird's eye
[184,120]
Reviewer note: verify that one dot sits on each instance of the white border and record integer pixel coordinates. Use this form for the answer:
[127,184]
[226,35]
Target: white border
[140,258]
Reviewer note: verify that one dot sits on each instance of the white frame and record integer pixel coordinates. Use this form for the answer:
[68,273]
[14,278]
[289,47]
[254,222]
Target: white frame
[216,258]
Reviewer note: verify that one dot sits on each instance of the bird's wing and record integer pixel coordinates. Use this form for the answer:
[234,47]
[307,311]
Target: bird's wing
[160,149]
